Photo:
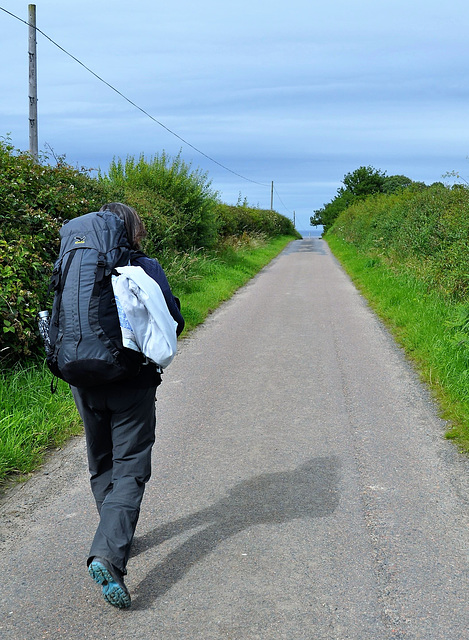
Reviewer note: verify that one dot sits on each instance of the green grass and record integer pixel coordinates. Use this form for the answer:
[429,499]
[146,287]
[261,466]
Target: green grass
[433,332]
[32,420]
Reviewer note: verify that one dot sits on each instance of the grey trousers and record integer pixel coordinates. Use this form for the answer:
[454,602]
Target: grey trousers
[120,432]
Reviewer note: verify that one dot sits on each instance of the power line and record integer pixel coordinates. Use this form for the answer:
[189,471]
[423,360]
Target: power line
[133,103]
[284,206]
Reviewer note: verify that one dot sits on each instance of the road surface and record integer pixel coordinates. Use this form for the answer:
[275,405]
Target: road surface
[302,489]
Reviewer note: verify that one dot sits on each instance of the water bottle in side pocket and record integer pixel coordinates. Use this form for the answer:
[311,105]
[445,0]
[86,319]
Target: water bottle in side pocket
[43,324]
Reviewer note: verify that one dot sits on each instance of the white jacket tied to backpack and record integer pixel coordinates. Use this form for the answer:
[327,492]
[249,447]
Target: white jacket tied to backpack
[146,323]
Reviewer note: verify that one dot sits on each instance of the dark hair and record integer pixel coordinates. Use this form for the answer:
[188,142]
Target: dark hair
[133,224]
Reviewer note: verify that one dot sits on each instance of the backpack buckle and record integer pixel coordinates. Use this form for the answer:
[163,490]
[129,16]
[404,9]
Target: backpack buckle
[101,267]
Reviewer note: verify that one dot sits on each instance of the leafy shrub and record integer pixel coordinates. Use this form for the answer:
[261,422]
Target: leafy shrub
[237,220]
[35,199]
[175,201]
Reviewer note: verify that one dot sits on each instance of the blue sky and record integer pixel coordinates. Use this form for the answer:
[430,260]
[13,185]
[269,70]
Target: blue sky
[299,92]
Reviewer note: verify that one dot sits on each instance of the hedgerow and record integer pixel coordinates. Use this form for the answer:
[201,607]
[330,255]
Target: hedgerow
[181,212]
[425,231]
[236,220]
[176,202]
[35,199]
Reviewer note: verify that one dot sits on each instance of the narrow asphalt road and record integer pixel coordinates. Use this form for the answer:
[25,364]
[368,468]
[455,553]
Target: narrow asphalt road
[302,489]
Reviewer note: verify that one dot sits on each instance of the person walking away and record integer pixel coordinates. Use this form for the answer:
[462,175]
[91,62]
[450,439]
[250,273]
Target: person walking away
[119,420]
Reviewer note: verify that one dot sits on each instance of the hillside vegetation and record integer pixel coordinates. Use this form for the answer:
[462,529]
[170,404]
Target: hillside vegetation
[408,251]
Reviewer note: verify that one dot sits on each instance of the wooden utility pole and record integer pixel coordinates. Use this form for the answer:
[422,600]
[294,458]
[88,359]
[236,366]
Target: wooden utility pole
[33,147]
[272,196]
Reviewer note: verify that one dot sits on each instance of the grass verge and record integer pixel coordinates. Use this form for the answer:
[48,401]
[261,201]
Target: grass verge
[32,420]
[426,325]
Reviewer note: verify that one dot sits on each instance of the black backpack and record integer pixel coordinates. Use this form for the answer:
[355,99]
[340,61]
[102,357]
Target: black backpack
[85,336]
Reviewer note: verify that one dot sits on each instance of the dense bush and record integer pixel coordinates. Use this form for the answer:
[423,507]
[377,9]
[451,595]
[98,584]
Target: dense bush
[426,231]
[35,199]
[176,202]
[242,219]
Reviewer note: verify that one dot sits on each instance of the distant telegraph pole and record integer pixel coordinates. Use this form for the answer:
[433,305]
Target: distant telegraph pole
[272,196]
[33,147]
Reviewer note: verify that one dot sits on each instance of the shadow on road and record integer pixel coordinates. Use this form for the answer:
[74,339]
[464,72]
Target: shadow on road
[310,491]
